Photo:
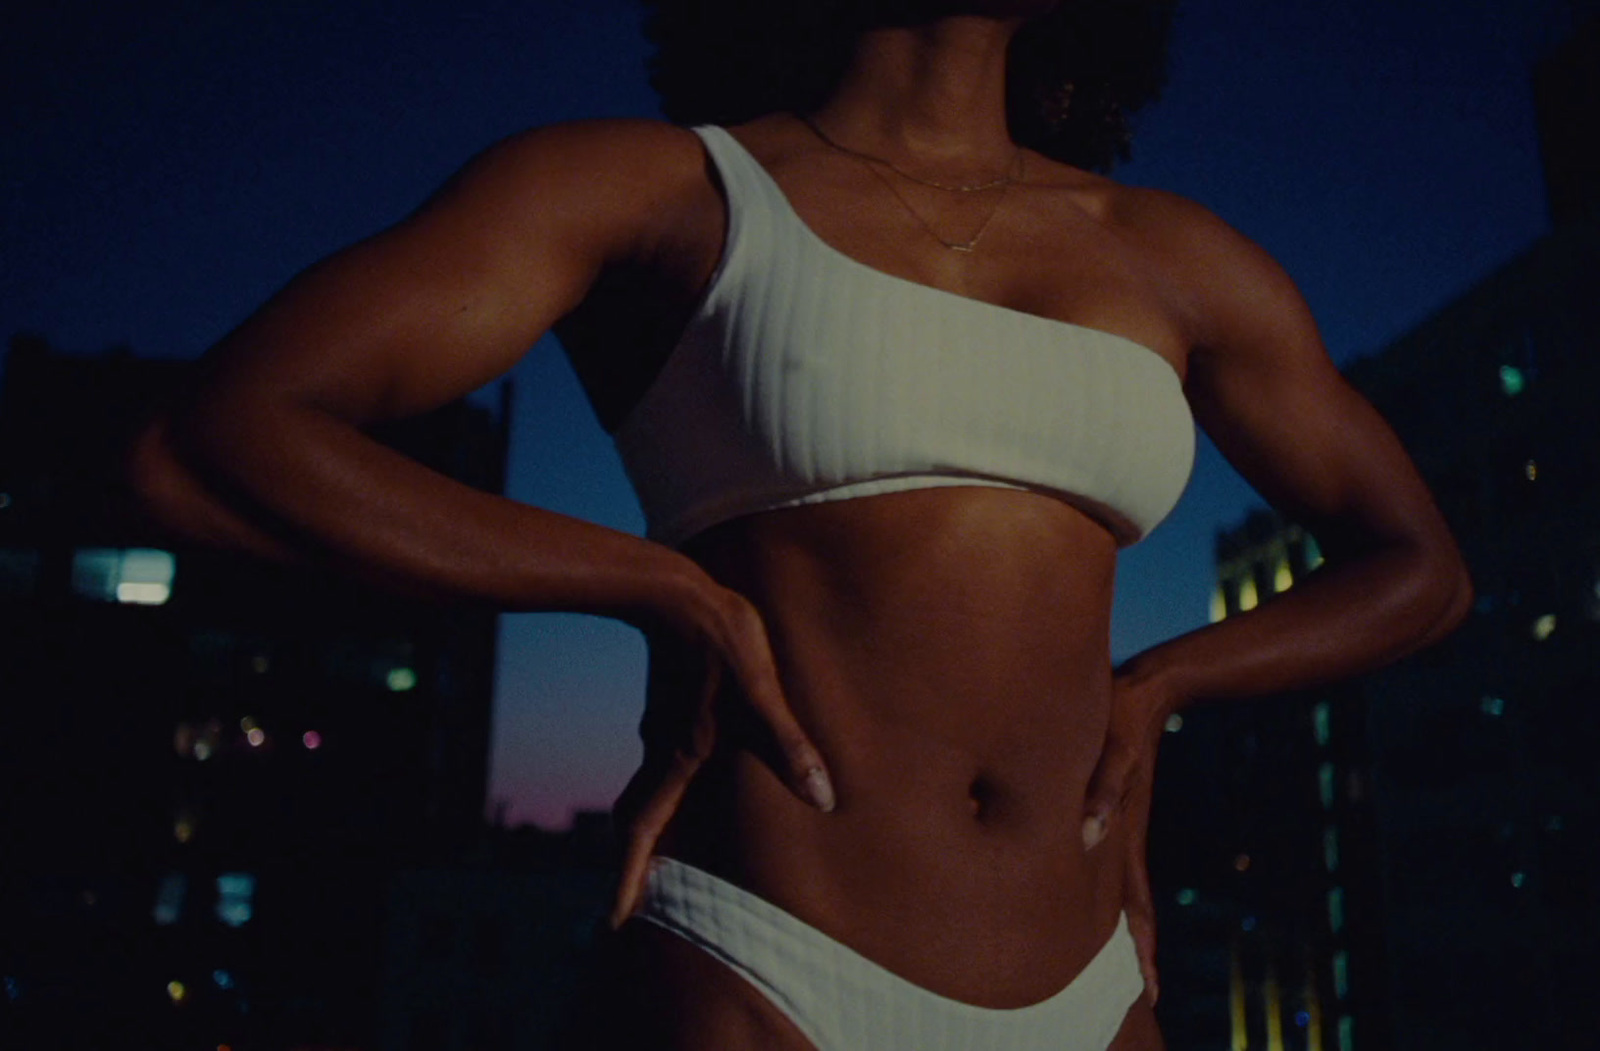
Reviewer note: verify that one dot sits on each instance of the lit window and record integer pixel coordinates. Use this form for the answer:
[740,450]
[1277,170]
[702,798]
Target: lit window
[1321,723]
[1325,785]
[1188,896]
[1511,380]
[1330,848]
[169,898]
[234,891]
[1247,594]
[401,679]
[1283,579]
[1336,909]
[311,739]
[1174,723]
[1493,707]
[1347,1033]
[140,576]
[1219,605]
[1341,974]
[1544,626]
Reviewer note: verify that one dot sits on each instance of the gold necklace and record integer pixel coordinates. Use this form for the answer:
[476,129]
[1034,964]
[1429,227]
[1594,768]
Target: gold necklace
[1014,172]
[1005,179]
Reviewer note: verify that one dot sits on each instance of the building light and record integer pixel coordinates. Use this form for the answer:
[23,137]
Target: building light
[223,979]
[1336,909]
[1321,722]
[169,898]
[1174,723]
[311,739]
[1313,553]
[1511,380]
[1330,848]
[401,679]
[1341,974]
[1283,579]
[139,576]
[202,750]
[1531,469]
[1544,626]
[248,723]
[1493,707]
[1188,896]
[1219,605]
[1347,1033]
[1518,879]
[1325,785]
[177,992]
[1247,594]
[257,737]
[234,891]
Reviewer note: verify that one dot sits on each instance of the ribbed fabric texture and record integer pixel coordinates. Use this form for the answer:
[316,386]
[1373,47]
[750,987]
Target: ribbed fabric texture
[842,1001]
[807,376]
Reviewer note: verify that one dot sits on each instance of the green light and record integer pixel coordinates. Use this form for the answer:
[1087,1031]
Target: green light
[1511,380]
[1188,896]
[402,679]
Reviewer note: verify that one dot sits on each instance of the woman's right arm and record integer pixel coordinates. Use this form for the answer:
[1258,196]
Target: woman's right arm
[268,454]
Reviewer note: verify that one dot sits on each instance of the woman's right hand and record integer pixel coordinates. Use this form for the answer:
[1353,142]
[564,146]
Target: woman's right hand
[718,635]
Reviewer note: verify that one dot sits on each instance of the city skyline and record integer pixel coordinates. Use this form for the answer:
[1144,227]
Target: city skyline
[168,171]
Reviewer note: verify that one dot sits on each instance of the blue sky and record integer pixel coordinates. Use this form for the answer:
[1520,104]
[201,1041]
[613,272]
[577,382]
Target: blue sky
[166,167]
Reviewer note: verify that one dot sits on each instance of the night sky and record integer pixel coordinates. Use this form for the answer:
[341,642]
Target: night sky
[166,166]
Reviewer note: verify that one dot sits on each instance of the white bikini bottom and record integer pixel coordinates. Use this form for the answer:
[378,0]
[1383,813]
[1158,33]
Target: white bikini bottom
[842,1001]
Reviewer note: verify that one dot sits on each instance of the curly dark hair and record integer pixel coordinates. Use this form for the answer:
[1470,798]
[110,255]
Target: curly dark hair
[1075,77]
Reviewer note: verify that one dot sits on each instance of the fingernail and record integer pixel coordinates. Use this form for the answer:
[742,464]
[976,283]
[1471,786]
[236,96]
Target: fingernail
[819,789]
[1094,830]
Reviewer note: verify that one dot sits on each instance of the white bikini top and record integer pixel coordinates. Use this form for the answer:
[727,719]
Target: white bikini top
[806,376]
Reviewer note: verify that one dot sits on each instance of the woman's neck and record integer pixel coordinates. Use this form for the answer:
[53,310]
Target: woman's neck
[932,95]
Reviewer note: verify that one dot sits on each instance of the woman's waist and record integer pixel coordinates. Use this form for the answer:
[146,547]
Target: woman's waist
[939,849]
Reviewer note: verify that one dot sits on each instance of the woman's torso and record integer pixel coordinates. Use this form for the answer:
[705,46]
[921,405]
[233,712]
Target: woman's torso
[946,648]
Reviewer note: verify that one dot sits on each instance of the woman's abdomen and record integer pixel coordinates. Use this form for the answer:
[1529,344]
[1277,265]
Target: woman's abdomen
[948,652]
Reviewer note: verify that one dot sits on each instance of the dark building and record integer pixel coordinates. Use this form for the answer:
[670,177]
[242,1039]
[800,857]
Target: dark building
[1455,794]
[212,766]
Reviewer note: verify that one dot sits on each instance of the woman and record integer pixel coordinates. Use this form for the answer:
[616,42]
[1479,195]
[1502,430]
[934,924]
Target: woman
[894,390]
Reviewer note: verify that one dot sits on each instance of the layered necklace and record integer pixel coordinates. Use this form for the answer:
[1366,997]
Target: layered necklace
[875,165]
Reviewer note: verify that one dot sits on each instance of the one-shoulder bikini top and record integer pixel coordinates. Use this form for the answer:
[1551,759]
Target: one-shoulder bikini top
[806,376]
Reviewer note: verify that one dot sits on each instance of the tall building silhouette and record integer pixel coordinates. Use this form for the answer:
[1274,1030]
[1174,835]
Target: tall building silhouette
[212,766]
[1454,796]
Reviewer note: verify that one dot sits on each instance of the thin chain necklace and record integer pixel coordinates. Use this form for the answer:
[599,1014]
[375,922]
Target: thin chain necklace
[1012,174]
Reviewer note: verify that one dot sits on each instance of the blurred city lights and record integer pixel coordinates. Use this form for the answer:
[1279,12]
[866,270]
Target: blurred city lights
[223,979]
[177,992]
[402,679]
[256,737]
[311,739]
[1543,627]
[183,830]
[247,724]
[1188,896]
[1531,469]
[1241,863]
[1511,380]
[1174,723]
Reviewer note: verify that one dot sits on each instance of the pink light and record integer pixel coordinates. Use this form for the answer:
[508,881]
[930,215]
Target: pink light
[312,739]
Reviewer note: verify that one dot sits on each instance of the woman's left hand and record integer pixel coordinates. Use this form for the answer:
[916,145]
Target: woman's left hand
[1119,793]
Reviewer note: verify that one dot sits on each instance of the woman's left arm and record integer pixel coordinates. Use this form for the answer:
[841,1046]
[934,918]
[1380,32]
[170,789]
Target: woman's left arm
[1262,386]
